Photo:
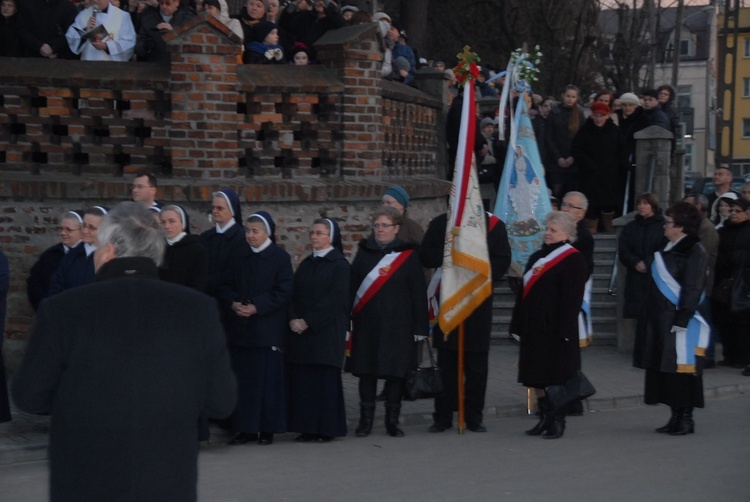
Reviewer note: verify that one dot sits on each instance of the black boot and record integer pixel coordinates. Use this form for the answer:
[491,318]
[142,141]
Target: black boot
[685,424]
[545,417]
[556,427]
[670,426]
[366,417]
[392,412]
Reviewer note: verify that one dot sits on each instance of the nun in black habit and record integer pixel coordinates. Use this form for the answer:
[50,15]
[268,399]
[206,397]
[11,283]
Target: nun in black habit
[226,236]
[315,342]
[258,293]
[185,257]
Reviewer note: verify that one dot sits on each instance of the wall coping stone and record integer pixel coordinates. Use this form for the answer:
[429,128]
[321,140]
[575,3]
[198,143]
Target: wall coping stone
[73,73]
[292,78]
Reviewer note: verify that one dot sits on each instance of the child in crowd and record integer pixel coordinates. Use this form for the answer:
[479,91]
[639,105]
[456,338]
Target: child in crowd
[263,46]
[300,54]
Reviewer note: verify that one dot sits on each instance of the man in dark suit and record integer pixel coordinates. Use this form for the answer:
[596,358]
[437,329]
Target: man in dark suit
[125,366]
[477,329]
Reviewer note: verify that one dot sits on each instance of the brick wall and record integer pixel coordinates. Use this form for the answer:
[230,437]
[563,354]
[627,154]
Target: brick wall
[296,141]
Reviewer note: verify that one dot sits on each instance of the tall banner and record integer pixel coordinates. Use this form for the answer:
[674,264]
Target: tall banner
[466,280]
[522,198]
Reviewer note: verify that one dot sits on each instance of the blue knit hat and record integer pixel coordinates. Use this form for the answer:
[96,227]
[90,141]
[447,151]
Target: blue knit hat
[233,201]
[399,194]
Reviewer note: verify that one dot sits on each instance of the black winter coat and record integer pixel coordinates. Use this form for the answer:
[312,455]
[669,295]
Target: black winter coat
[729,235]
[40,275]
[585,244]
[654,347]
[264,279]
[186,262]
[45,22]
[130,363]
[478,327]
[221,248]
[321,298]
[639,240]
[383,332]
[76,269]
[150,45]
[630,125]
[558,140]
[546,319]
[600,157]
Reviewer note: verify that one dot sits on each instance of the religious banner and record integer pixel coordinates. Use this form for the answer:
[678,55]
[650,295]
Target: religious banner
[466,280]
[522,196]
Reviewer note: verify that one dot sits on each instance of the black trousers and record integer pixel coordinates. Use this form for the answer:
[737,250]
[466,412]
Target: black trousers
[475,386]
[368,388]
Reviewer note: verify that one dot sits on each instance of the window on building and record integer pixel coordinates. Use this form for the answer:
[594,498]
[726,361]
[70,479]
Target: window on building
[746,52]
[687,160]
[746,128]
[746,87]
[686,48]
[684,93]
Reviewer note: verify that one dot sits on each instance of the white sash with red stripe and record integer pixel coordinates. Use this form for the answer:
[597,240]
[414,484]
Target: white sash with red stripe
[545,263]
[377,277]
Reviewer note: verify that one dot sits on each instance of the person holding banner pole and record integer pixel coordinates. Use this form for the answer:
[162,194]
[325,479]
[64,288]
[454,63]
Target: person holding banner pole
[389,313]
[545,318]
[672,336]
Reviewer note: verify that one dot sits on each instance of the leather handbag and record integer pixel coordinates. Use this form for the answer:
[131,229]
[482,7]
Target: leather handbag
[423,382]
[577,388]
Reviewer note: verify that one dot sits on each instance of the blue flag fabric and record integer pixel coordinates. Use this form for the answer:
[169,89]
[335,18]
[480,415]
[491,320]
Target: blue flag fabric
[522,198]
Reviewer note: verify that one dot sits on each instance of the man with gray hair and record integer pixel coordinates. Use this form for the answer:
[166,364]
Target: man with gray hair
[709,238]
[126,378]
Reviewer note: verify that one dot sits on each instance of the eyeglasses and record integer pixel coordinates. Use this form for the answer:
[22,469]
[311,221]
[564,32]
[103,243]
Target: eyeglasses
[318,233]
[90,227]
[377,226]
[568,204]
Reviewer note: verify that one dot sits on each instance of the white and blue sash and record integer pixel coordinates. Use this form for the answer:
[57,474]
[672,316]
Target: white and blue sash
[585,326]
[692,342]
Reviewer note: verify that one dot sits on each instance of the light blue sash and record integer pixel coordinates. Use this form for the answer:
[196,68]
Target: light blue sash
[694,341]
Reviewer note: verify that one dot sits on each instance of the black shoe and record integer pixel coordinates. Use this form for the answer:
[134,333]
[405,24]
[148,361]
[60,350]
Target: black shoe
[436,427]
[392,411]
[556,427]
[477,427]
[746,371]
[671,425]
[366,417]
[685,424]
[305,438]
[265,438]
[243,438]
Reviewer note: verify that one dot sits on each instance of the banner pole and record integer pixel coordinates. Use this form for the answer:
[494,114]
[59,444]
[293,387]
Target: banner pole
[461,419]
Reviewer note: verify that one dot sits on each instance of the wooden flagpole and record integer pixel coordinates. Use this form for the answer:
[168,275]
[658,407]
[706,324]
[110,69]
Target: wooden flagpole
[461,419]
[529,400]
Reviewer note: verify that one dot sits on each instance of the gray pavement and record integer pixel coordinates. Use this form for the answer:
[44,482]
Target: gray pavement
[618,385]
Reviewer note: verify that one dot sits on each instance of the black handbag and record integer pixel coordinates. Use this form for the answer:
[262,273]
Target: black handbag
[423,382]
[577,388]
[740,294]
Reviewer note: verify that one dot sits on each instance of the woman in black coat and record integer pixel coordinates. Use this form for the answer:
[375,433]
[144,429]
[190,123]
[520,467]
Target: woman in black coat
[732,326]
[662,346]
[545,318]
[389,313]
[600,156]
[637,243]
[319,318]
[258,292]
[185,258]
[225,238]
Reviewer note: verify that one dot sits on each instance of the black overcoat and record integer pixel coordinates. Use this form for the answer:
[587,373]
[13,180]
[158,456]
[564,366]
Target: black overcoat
[76,269]
[639,240]
[546,319]
[125,380]
[654,347]
[478,326]
[221,248]
[186,262]
[600,156]
[264,279]
[40,275]
[383,332]
[321,298]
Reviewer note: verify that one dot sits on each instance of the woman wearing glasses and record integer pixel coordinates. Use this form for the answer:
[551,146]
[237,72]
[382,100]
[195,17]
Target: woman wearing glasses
[671,334]
[319,318]
[389,312]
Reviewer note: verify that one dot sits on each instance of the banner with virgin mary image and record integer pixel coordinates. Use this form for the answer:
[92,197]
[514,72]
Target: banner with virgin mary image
[522,197]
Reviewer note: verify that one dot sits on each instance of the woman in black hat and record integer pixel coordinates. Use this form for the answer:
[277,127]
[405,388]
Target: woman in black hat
[315,342]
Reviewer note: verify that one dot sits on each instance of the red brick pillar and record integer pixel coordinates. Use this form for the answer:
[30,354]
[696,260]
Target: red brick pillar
[203,83]
[354,53]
